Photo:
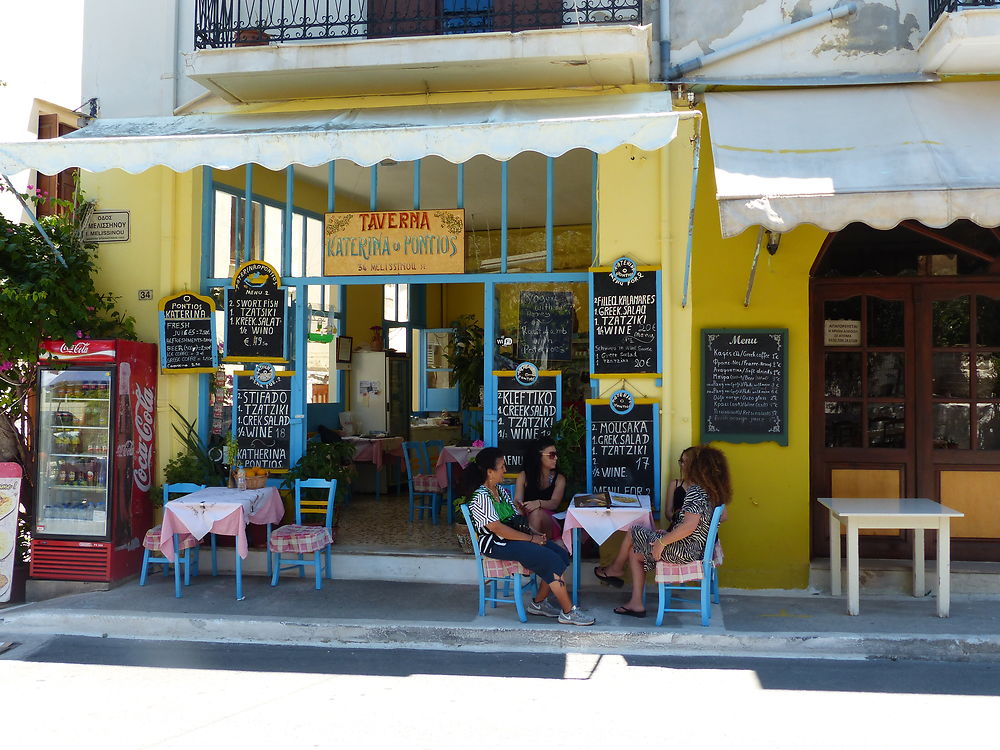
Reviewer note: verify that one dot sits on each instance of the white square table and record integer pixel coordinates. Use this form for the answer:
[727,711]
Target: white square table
[917,513]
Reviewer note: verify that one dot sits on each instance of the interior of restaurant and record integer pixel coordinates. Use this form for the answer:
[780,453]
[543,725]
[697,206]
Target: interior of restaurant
[411,360]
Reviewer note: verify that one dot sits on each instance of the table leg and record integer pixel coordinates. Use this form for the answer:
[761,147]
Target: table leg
[378,482]
[853,569]
[576,566]
[944,567]
[918,563]
[239,574]
[834,555]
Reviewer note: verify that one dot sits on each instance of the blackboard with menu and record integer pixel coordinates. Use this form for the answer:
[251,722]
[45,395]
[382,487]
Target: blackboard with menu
[263,418]
[187,334]
[525,411]
[256,315]
[545,326]
[745,385]
[623,447]
[625,311]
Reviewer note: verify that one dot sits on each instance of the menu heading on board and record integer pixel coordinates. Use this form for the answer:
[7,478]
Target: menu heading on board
[263,418]
[528,404]
[745,385]
[545,326]
[256,310]
[626,320]
[624,445]
[187,334]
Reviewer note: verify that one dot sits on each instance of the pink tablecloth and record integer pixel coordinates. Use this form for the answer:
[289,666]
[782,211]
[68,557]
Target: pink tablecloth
[601,523]
[453,454]
[374,450]
[219,510]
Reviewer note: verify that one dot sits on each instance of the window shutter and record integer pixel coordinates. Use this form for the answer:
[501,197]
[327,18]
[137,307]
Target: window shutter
[393,18]
[56,186]
[521,15]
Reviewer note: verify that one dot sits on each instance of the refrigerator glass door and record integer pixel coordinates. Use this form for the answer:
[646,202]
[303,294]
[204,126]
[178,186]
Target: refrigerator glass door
[73,452]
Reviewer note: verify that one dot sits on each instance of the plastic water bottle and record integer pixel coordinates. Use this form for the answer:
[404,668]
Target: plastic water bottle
[241,479]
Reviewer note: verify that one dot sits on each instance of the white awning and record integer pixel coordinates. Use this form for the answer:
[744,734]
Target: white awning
[872,154]
[456,132]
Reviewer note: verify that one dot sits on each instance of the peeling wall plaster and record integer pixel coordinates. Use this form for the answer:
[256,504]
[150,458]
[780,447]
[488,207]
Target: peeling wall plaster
[698,22]
[876,28]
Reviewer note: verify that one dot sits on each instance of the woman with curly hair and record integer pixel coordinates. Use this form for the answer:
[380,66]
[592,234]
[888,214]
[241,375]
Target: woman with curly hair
[709,486]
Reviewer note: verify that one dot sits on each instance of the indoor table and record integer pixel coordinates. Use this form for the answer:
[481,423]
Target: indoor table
[374,451]
[917,513]
[600,524]
[221,510]
[444,468]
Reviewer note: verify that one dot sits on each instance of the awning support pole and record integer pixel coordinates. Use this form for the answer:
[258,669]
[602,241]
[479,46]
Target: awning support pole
[753,267]
[694,194]
[34,220]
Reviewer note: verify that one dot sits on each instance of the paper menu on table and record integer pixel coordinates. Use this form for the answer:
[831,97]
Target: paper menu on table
[624,501]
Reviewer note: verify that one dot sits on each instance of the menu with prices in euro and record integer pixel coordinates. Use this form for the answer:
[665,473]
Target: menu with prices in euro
[263,418]
[187,334]
[527,407]
[256,310]
[623,445]
[10,494]
[744,382]
[625,309]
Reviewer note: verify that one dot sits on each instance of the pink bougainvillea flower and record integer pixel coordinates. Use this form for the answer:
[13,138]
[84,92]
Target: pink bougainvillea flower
[31,187]
[79,334]
[90,309]
[6,366]
[478,444]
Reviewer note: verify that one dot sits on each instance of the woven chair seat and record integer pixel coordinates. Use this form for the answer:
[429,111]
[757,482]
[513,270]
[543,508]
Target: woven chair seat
[426,483]
[692,571]
[292,539]
[152,540]
[493,568]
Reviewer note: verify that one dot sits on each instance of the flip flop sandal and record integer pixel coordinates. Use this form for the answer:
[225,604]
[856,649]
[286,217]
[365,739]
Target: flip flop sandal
[628,612]
[609,580]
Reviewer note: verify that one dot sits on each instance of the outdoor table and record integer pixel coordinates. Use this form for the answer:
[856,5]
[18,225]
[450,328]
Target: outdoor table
[374,451]
[450,455]
[917,513]
[600,524]
[220,510]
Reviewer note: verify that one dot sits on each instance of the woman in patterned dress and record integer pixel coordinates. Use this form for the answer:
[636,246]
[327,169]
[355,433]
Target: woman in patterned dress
[684,542]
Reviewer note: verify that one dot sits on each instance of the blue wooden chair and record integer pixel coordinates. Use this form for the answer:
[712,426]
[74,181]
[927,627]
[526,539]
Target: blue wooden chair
[496,573]
[425,493]
[188,560]
[701,576]
[299,539]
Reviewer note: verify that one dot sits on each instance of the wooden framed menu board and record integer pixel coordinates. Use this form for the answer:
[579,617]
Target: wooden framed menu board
[256,315]
[262,419]
[625,315]
[744,385]
[623,445]
[528,404]
[187,334]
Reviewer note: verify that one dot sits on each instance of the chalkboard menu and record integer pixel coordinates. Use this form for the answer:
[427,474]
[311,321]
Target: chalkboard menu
[626,314]
[256,315]
[545,326]
[745,386]
[263,409]
[187,334]
[527,407]
[624,447]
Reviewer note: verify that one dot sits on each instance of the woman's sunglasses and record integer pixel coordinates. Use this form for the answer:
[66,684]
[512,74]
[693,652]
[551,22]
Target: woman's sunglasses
[551,454]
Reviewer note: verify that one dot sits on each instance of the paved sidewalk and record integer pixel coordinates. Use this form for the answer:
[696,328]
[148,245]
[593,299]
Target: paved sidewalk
[419,615]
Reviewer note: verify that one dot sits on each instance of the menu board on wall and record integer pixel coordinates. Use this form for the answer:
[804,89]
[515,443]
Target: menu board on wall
[256,315]
[528,403]
[263,401]
[745,385]
[625,311]
[187,334]
[623,445]
[545,326]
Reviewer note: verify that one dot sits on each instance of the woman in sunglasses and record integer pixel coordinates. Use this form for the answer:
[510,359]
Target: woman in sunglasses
[540,488]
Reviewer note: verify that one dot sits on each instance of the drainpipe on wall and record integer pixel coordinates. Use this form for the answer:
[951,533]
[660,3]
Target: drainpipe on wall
[676,71]
[665,40]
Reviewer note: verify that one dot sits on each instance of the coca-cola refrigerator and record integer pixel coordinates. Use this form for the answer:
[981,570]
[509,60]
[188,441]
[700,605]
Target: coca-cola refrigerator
[96,404]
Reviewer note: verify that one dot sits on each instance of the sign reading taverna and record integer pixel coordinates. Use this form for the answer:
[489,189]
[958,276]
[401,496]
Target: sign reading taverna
[394,242]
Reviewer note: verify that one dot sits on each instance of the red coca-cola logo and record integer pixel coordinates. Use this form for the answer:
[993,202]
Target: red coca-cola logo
[144,404]
[79,347]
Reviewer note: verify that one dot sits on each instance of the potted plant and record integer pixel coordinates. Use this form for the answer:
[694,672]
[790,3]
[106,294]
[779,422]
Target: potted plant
[326,461]
[252,36]
[461,527]
[466,360]
[568,434]
[193,463]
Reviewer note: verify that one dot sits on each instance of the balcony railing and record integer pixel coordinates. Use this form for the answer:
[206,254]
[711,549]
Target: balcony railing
[229,23]
[938,7]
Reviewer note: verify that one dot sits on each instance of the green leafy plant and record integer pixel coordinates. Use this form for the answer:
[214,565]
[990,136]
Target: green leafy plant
[466,359]
[568,434]
[193,463]
[325,461]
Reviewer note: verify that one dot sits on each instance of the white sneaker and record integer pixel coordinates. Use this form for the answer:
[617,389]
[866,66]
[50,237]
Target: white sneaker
[575,617]
[543,608]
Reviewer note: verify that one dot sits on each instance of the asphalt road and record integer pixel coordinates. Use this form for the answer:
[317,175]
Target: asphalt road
[90,692]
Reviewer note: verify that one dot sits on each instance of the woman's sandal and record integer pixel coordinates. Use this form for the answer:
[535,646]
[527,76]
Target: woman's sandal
[628,612]
[609,580]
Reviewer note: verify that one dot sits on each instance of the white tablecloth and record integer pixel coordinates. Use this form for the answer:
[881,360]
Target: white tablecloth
[601,523]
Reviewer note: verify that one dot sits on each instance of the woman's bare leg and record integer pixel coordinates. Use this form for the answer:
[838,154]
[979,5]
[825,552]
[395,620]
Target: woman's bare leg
[638,575]
[617,566]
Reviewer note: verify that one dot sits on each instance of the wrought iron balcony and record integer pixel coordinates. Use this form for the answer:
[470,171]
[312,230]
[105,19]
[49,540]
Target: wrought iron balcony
[937,7]
[229,23]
